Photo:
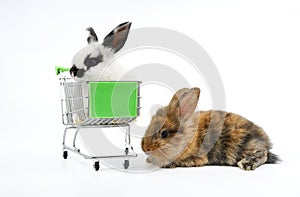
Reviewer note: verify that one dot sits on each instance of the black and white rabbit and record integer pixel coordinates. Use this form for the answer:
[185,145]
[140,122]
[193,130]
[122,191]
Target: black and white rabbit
[92,63]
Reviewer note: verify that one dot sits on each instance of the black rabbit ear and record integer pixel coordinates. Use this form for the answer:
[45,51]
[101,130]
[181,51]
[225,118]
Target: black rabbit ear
[117,37]
[92,37]
[184,103]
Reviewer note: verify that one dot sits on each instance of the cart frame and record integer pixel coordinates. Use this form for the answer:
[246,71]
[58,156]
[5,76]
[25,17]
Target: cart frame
[90,123]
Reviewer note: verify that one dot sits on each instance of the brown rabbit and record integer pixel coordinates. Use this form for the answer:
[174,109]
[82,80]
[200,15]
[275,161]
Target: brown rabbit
[178,137]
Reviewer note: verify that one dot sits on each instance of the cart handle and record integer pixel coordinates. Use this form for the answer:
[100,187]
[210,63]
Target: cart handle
[59,69]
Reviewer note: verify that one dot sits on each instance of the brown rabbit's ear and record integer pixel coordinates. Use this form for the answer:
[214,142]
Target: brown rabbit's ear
[183,103]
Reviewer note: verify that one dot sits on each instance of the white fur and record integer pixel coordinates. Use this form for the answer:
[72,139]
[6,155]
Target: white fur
[105,71]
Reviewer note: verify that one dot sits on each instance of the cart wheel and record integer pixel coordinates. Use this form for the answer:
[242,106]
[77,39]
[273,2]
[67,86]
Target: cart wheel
[65,154]
[126,151]
[96,165]
[126,164]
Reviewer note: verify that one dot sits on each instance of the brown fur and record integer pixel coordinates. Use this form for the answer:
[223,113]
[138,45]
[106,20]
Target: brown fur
[204,138]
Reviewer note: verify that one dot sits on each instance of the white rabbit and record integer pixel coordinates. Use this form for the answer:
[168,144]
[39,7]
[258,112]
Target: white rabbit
[92,63]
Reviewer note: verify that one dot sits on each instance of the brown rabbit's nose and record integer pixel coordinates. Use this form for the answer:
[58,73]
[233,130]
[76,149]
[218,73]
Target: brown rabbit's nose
[146,148]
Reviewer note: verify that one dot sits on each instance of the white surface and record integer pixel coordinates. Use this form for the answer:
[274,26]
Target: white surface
[254,44]
[42,173]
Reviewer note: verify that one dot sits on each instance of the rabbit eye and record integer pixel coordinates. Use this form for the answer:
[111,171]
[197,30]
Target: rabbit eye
[164,134]
[92,61]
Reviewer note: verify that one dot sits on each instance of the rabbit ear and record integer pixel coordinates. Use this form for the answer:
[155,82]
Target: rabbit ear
[117,37]
[92,37]
[183,103]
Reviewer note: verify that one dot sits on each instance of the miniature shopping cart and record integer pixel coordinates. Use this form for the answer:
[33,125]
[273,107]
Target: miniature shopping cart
[99,104]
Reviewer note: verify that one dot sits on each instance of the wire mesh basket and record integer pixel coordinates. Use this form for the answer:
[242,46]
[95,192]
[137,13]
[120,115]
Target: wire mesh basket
[101,102]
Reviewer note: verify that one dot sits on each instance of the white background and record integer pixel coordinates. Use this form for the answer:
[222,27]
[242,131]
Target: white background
[254,44]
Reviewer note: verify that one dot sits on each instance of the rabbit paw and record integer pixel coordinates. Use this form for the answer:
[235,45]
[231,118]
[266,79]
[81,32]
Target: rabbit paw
[246,164]
[171,165]
[149,159]
[252,162]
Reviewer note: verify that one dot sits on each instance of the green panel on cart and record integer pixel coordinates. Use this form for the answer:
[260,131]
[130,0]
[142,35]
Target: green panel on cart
[113,99]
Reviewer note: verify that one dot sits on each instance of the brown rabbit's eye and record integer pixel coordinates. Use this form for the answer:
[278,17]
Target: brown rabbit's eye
[164,134]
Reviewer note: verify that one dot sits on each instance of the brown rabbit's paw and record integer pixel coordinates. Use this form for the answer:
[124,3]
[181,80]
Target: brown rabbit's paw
[149,160]
[171,165]
[245,164]
[254,161]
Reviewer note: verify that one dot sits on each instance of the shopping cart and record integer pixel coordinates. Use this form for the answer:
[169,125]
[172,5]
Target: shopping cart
[99,104]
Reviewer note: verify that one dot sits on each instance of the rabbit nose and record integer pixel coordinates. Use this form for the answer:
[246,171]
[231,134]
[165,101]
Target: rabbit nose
[73,71]
[145,148]
[77,72]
